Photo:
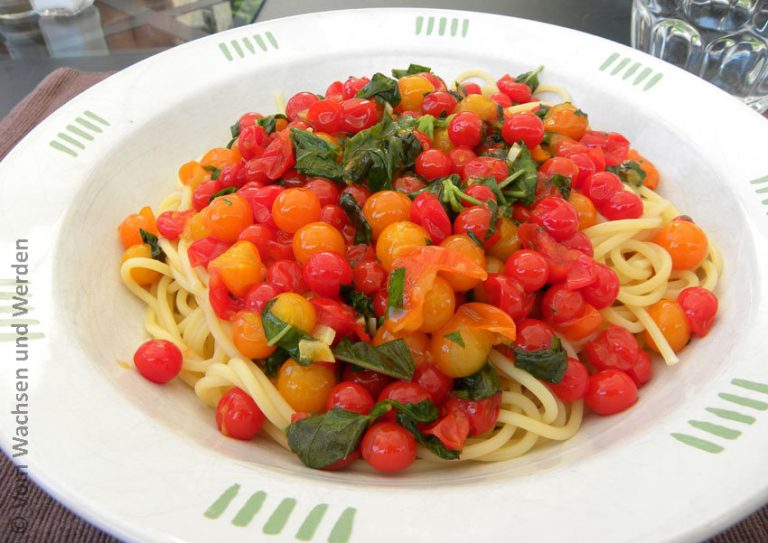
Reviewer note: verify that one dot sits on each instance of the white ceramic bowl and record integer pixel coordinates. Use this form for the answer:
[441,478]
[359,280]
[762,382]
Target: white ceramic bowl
[146,462]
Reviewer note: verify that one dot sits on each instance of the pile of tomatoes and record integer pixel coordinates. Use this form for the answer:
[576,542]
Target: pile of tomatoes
[267,233]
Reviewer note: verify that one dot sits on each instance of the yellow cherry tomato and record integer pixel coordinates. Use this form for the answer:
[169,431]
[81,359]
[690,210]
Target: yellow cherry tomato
[192,174]
[508,242]
[143,276]
[306,388]
[398,239]
[240,267]
[316,237]
[670,318]
[384,208]
[486,109]
[439,305]
[413,89]
[463,244]
[296,310]
[417,342]
[249,337]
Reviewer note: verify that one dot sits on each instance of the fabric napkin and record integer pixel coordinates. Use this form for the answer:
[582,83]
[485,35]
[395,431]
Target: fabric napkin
[44,519]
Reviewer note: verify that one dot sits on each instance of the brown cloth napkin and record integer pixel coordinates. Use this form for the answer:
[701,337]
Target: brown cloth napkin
[35,515]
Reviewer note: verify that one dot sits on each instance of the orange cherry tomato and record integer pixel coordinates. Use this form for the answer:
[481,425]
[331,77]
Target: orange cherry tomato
[685,242]
[384,208]
[670,318]
[585,208]
[397,239]
[413,89]
[192,174]
[221,157]
[418,342]
[317,237]
[143,276]
[306,388]
[240,267]
[249,337]
[227,216]
[566,120]
[582,326]
[464,245]
[130,229]
[651,173]
[508,242]
[293,208]
[439,305]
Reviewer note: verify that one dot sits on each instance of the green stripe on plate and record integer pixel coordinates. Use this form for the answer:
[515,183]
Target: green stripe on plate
[309,526]
[76,131]
[746,402]
[260,42]
[89,125]
[751,385]
[620,65]
[607,62]
[731,415]
[225,50]
[715,429]
[698,443]
[342,530]
[249,510]
[69,139]
[222,502]
[63,148]
[95,117]
[279,517]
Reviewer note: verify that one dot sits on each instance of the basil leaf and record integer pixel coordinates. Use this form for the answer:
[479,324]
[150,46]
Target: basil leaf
[282,334]
[530,78]
[360,302]
[235,130]
[630,172]
[222,192]
[271,364]
[363,232]
[381,88]
[478,386]
[375,155]
[423,411]
[456,338]
[215,172]
[412,69]
[326,439]
[562,183]
[426,125]
[580,113]
[545,364]
[429,441]
[541,113]
[396,288]
[315,157]
[154,246]
[268,123]
[493,222]
[523,188]
[392,358]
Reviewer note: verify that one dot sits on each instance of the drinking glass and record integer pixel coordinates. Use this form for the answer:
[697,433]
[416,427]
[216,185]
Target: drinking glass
[60,8]
[722,41]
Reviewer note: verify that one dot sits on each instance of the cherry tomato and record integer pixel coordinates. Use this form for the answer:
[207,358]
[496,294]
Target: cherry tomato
[434,381]
[471,88]
[238,416]
[599,187]
[582,326]
[685,242]
[170,224]
[604,289]
[525,127]
[413,89]
[476,219]
[386,207]
[258,296]
[622,205]
[486,166]
[613,348]
[433,164]
[325,273]
[387,446]
[227,216]
[459,158]
[359,192]
[534,335]
[201,196]
[369,277]
[586,168]
[404,392]
[452,430]
[251,141]
[580,242]
[614,145]
[501,99]
[357,254]
[298,105]
[519,93]
[672,321]
[325,115]
[610,392]
[353,85]
[248,335]
[293,208]
[558,217]
[642,370]
[340,317]
[584,208]
[465,129]
[567,120]
[327,191]
[408,184]
[261,200]
[438,104]
[427,212]
[506,293]
[305,388]
[482,414]
[278,157]
[336,217]
[700,308]
[358,114]
[350,396]
[285,275]
[560,304]
[574,384]
[480,192]
[373,381]
[398,239]
[158,360]
[202,251]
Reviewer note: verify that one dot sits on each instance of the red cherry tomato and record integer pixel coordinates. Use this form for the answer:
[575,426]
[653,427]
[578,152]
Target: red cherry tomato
[428,212]
[452,430]
[560,304]
[359,192]
[258,296]
[519,93]
[586,168]
[335,91]
[534,335]
[622,205]
[251,141]
[604,289]
[158,360]
[299,103]
[373,381]
[465,129]
[285,275]
[335,216]
[582,271]
[574,384]
[369,277]
[388,447]
[404,392]
[238,416]
[325,115]
[599,187]
[201,196]
[579,242]
[528,268]
[557,216]
[433,164]
[353,85]
[408,184]
[614,348]
[525,127]
[171,224]
[642,370]
[614,145]
[435,382]
[502,99]
[471,88]
[700,308]
[202,251]
[482,414]
[486,166]
[459,158]
[278,157]
[476,219]
[358,114]
[480,192]
[340,317]
[438,104]
[350,396]
[610,392]
[506,294]
[325,190]
[361,252]
[326,272]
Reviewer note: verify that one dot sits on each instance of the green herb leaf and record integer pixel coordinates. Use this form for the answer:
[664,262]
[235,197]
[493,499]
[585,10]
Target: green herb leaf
[375,155]
[284,335]
[426,125]
[471,235]
[630,172]
[530,78]
[396,288]
[215,172]
[423,411]
[315,157]
[326,439]
[363,232]
[541,113]
[478,386]
[271,365]
[154,246]
[429,441]
[235,130]
[523,187]
[456,338]
[392,358]
[223,192]
[493,222]
[412,69]
[546,364]
[580,113]
[562,183]
[381,88]
[268,123]
[360,302]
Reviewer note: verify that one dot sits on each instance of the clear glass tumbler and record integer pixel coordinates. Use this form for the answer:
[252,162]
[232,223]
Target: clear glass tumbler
[723,41]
